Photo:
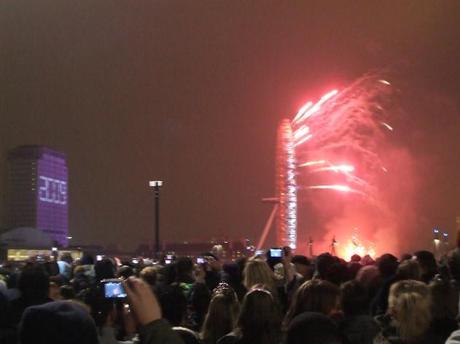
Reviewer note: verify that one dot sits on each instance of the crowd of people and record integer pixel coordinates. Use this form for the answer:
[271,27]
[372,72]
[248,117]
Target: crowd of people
[267,299]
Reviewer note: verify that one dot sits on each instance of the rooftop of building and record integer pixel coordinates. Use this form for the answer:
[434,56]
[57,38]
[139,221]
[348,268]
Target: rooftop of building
[33,152]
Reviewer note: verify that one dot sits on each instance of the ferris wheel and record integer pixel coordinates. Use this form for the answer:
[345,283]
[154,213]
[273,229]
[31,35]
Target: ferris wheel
[286,186]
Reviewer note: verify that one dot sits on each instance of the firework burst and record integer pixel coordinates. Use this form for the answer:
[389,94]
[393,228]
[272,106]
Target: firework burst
[337,142]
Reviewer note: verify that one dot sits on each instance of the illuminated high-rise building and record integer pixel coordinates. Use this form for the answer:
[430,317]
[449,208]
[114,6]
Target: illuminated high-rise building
[38,191]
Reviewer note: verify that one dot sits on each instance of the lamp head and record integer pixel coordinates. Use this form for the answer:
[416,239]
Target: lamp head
[155,183]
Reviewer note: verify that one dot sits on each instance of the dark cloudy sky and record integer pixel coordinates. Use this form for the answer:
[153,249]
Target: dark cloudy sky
[191,91]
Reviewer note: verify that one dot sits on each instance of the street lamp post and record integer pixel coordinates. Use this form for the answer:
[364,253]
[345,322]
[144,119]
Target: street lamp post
[156,185]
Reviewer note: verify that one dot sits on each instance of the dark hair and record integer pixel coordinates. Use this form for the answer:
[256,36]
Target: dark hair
[354,298]
[184,269]
[51,268]
[104,269]
[387,264]
[453,261]
[427,264]
[405,256]
[125,272]
[409,269]
[3,310]
[99,305]
[87,259]
[444,298]
[353,269]
[33,283]
[338,272]
[241,262]
[167,274]
[298,259]
[312,328]
[313,296]
[323,264]
[66,257]
[355,258]
[173,304]
[67,292]
[234,277]
[232,273]
[259,319]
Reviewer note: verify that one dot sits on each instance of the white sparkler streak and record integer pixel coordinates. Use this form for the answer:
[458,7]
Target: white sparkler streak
[337,187]
[306,138]
[386,125]
[336,168]
[317,106]
[342,188]
[301,132]
[301,111]
[312,163]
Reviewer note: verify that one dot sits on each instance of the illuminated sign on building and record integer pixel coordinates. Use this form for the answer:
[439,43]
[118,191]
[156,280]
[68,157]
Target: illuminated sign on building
[52,190]
[39,191]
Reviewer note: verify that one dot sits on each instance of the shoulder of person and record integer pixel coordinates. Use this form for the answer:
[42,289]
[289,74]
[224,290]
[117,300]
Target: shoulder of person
[231,338]
[454,338]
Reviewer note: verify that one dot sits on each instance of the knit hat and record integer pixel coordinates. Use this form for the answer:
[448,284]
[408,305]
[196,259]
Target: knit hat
[57,322]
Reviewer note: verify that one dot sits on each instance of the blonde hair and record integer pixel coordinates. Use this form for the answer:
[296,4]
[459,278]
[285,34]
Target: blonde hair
[149,274]
[410,304]
[256,272]
[222,315]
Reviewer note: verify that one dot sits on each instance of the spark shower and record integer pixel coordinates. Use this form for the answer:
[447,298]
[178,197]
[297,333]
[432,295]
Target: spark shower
[329,158]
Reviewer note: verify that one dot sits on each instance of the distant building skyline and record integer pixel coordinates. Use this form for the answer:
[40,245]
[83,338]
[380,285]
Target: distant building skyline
[38,191]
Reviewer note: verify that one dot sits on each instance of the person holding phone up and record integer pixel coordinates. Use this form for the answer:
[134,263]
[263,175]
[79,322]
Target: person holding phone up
[147,314]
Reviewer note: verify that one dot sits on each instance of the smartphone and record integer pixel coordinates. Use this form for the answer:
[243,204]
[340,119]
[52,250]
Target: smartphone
[276,253]
[200,260]
[169,258]
[135,261]
[99,257]
[259,252]
[113,289]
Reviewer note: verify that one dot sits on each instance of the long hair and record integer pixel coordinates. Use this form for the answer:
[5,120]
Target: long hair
[34,284]
[410,305]
[222,314]
[260,319]
[444,297]
[354,298]
[257,272]
[318,296]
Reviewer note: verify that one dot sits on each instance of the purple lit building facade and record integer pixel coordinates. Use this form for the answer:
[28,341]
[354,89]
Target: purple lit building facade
[38,191]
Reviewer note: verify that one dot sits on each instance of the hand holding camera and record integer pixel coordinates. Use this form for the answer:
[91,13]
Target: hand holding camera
[142,300]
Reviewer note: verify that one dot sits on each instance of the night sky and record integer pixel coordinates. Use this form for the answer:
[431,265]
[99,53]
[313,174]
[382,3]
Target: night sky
[191,92]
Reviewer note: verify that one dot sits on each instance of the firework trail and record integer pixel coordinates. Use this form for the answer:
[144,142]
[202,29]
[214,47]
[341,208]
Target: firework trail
[345,130]
[339,141]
